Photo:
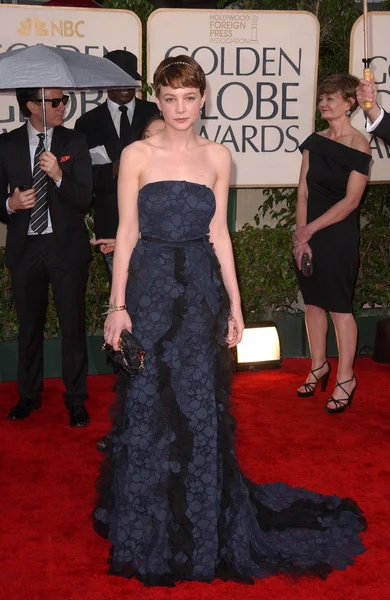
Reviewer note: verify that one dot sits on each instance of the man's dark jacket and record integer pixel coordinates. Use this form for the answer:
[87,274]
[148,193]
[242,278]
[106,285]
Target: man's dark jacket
[68,203]
[99,129]
[383,129]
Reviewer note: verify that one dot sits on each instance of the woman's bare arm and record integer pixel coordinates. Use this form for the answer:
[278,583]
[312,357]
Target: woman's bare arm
[132,159]
[301,213]
[220,238]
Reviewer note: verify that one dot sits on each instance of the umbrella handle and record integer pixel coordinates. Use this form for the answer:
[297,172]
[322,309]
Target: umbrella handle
[367,76]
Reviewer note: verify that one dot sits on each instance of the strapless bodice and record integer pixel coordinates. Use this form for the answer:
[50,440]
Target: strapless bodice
[175,210]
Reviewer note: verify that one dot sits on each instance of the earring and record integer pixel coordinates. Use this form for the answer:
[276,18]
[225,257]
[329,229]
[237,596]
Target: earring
[348,113]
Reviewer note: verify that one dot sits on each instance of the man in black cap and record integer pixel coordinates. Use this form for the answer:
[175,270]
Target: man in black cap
[109,128]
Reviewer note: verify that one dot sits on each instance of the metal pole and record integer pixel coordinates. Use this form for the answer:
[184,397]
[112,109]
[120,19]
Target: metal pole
[44,117]
[366,60]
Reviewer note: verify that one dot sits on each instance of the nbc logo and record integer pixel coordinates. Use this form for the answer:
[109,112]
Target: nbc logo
[61,28]
[30,26]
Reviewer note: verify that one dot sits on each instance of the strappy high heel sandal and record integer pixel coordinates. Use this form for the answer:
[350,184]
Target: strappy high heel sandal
[341,405]
[310,387]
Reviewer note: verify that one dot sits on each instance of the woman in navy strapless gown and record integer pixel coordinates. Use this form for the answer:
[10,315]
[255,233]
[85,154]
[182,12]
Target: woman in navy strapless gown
[173,500]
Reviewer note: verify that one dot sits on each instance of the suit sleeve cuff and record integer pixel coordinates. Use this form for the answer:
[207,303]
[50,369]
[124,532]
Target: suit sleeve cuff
[58,183]
[9,210]
[372,126]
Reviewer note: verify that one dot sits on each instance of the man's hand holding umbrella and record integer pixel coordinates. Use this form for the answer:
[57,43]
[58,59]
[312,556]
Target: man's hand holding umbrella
[48,163]
[366,92]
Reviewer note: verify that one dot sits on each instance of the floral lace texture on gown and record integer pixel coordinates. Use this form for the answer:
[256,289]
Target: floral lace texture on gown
[172,499]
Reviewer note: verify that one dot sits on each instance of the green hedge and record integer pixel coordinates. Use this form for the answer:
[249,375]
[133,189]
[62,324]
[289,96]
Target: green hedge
[97,295]
[265,273]
[267,279]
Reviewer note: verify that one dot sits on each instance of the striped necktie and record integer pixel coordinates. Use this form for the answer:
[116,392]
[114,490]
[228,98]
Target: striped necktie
[39,216]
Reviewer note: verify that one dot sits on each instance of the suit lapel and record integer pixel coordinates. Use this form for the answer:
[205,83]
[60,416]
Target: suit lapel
[57,143]
[22,154]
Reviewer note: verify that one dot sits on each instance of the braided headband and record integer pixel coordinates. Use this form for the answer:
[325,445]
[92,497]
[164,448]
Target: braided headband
[177,62]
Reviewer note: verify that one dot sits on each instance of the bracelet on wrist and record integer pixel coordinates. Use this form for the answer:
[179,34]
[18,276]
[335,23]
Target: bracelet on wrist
[112,308]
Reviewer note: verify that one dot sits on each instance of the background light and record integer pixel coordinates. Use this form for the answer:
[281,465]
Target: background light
[259,347]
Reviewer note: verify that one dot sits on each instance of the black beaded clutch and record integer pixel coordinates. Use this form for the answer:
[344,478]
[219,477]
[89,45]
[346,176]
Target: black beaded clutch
[307,265]
[129,359]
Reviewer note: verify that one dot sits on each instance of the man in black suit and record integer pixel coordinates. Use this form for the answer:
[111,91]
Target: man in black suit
[109,128]
[378,120]
[45,191]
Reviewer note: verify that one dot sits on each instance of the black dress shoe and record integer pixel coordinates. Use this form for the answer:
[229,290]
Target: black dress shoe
[102,445]
[78,416]
[23,408]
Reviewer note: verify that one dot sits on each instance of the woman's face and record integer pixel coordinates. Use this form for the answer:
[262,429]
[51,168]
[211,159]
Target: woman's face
[180,106]
[154,127]
[333,106]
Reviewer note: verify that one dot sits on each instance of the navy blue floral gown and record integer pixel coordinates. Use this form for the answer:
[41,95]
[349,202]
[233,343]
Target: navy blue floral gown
[172,498]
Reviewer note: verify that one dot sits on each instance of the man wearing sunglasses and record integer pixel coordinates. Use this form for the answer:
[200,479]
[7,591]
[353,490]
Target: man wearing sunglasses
[45,191]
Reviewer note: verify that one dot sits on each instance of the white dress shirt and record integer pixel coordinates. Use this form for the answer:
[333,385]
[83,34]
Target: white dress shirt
[372,126]
[33,140]
[116,114]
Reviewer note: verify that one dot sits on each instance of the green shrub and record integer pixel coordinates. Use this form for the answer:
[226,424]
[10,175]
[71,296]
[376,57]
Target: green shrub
[267,280]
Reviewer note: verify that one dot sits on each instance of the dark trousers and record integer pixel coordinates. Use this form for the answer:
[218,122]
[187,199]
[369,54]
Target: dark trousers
[42,264]
[108,261]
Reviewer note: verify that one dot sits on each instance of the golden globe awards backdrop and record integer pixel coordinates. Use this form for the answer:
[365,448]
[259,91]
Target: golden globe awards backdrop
[379,51]
[90,31]
[261,69]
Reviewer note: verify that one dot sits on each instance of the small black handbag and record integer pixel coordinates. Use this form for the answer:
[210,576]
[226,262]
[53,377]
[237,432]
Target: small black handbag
[129,359]
[306,265]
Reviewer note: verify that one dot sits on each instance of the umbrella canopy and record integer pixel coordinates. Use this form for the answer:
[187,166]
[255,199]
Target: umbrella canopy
[76,3]
[43,66]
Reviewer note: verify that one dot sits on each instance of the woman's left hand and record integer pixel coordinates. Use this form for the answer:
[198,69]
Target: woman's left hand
[299,251]
[301,235]
[235,328]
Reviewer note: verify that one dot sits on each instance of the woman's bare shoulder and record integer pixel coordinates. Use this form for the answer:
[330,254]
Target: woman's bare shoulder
[137,153]
[360,142]
[216,151]
[133,150]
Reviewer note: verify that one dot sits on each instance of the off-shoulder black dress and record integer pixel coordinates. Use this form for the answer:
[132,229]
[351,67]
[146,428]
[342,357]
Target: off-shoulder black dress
[335,248]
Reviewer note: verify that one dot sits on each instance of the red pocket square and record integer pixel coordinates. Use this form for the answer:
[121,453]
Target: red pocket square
[64,158]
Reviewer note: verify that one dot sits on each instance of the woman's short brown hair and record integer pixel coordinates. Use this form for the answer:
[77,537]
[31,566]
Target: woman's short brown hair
[179,72]
[345,84]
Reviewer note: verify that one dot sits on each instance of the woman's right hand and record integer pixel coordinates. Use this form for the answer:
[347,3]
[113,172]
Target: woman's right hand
[114,324]
[299,251]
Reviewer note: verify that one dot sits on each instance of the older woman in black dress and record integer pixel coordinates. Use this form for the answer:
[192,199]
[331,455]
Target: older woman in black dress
[333,177]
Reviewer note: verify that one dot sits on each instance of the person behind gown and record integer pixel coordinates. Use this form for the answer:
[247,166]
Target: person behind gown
[154,125]
[337,101]
[102,127]
[176,153]
[378,120]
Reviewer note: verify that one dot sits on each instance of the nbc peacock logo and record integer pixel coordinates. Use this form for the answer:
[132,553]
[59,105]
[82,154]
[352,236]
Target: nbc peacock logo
[33,26]
[60,28]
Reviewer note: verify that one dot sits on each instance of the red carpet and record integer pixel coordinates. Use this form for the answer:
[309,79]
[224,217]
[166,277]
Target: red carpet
[49,551]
